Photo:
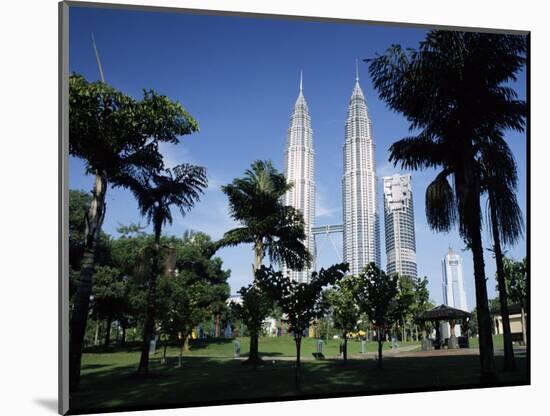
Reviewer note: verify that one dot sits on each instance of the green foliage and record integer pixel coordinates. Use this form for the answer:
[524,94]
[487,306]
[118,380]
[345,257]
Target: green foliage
[300,302]
[275,230]
[421,296]
[376,295]
[516,280]
[109,292]
[118,135]
[253,309]
[156,193]
[340,300]
[404,303]
[196,291]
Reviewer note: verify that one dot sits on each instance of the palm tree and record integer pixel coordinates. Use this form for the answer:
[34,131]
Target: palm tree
[274,229]
[181,187]
[504,215]
[451,91]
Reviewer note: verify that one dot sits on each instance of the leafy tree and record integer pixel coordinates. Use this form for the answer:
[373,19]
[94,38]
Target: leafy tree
[254,307]
[274,229]
[109,296]
[156,193]
[301,302]
[118,137]
[403,306]
[421,300]
[195,292]
[516,286]
[345,312]
[452,91]
[376,296]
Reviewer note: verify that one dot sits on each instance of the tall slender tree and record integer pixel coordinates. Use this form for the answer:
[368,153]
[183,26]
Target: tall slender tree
[273,229]
[453,92]
[156,194]
[499,180]
[117,137]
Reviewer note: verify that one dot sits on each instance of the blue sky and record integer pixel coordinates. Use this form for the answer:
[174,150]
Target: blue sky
[239,78]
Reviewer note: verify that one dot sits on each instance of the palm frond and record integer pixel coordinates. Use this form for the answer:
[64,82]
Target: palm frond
[440,204]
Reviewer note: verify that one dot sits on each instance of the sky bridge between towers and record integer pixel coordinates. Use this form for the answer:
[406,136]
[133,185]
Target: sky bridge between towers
[327,230]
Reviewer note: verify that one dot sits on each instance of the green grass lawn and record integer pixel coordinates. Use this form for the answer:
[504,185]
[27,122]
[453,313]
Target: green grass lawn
[210,374]
[269,347]
[498,342]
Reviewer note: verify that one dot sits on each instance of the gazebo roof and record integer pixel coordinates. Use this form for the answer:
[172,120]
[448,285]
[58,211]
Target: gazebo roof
[443,312]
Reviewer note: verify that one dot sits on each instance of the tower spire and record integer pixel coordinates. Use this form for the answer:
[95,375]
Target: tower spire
[357,70]
[300,80]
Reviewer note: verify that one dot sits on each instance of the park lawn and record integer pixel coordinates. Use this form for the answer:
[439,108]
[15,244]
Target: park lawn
[283,346]
[108,380]
[498,342]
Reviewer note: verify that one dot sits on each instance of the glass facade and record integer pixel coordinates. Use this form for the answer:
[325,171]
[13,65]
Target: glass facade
[399,225]
[360,210]
[300,170]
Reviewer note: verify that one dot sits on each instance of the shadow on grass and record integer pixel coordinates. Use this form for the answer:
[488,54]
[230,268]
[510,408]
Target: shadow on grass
[93,366]
[202,379]
[265,354]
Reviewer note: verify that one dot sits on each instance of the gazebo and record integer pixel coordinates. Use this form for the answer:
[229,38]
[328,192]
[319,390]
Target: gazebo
[444,313]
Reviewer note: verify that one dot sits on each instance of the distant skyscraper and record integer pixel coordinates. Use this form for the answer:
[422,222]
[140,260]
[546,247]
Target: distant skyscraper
[361,220]
[399,225]
[454,294]
[300,170]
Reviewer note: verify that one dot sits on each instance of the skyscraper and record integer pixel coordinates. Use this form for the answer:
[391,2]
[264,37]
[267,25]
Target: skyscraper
[300,170]
[360,208]
[399,225]
[454,294]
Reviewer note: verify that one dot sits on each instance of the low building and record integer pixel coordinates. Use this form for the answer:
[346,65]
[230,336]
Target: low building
[516,327]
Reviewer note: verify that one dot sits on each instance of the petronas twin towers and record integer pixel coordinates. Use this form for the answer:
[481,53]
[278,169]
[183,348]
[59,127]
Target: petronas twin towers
[300,170]
[361,230]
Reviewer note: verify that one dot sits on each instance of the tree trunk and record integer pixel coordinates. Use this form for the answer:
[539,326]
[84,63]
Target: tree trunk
[345,347]
[298,341]
[185,340]
[469,199]
[254,356]
[123,339]
[108,332]
[182,347]
[94,220]
[509,362]
[96,336]
[148,329]
[164,352]
[379,333]
[523,325]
